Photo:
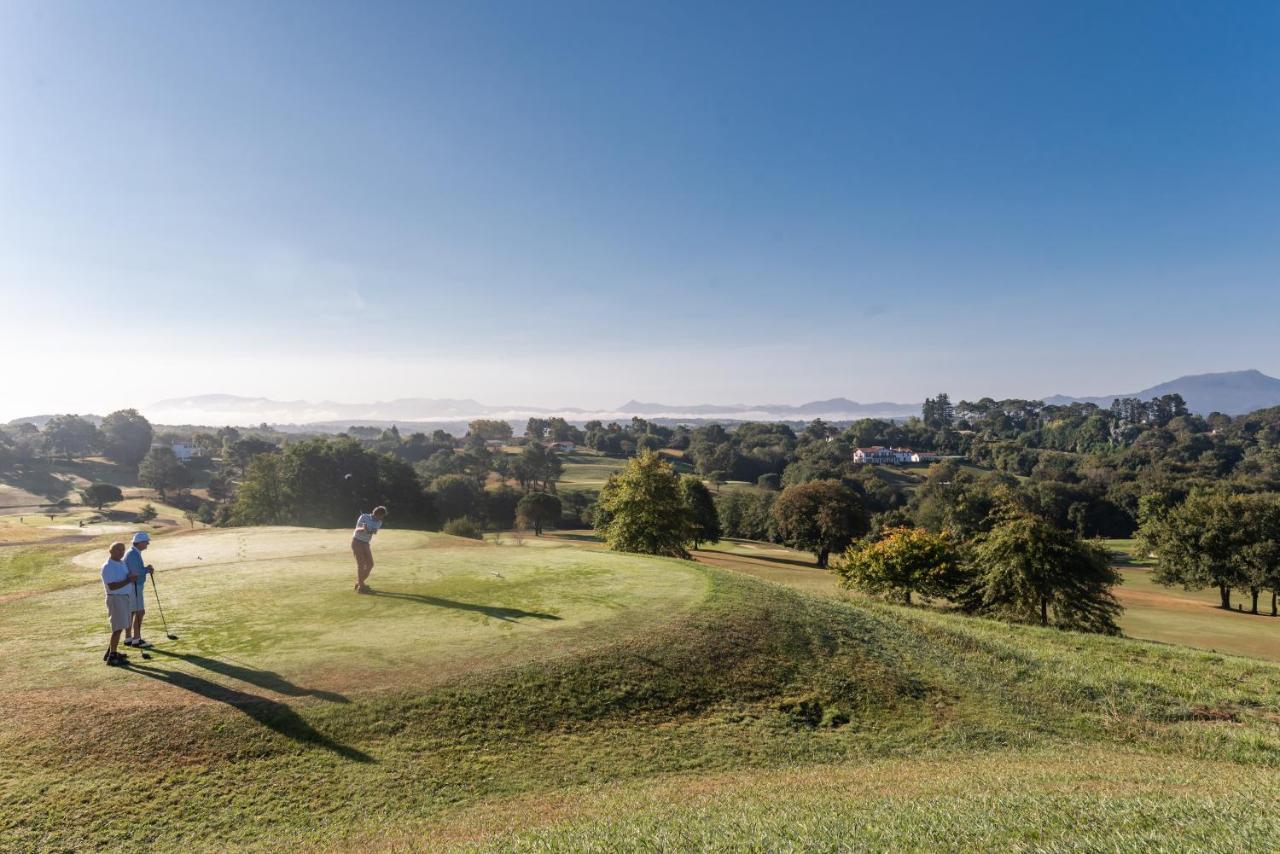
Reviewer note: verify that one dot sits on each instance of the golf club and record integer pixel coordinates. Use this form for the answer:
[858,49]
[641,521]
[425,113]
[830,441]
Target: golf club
[170,635]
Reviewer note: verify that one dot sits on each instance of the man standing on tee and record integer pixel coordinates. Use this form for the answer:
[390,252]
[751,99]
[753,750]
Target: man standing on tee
[366,526]
[138,569]
[117,580]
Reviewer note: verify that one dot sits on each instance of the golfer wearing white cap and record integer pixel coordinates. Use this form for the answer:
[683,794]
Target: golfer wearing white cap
[138,569]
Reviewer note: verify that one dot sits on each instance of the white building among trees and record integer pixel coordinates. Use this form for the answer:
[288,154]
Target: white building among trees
[878,454]
[185,450]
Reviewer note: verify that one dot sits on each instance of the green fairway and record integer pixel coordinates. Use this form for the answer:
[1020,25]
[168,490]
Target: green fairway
[1195,618]
[772,562]
[548,696]
[586,472]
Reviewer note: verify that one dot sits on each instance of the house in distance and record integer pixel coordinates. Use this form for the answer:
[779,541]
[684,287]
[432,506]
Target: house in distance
[880,455]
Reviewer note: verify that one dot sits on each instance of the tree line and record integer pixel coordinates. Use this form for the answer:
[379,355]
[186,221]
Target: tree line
[1145,467]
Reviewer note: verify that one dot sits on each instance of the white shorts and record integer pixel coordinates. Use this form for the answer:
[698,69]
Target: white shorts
[118,611]
[136,598]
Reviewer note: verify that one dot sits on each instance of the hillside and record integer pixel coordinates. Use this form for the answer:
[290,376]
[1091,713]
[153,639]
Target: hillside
[1232,392]
[535,695]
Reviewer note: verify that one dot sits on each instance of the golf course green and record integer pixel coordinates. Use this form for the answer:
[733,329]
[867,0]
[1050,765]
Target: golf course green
[280,600]
[543,696]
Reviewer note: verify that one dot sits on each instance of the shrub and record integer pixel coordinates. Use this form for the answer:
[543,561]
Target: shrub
[463,527]
[905,561]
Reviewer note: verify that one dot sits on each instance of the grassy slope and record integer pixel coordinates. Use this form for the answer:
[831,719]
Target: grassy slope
[1152,611]
[45,480]
[681,719]
[1091,799]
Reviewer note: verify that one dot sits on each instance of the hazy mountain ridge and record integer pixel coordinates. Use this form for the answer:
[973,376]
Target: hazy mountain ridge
[1229,392]
[230,409]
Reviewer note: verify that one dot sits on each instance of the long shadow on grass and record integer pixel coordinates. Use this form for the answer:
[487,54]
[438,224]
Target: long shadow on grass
[510,615]
[259,678]
[271,714]
[762,559]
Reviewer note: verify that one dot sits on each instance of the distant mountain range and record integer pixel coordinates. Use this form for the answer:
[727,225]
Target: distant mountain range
[214,409]
[1232,392]
[837,409]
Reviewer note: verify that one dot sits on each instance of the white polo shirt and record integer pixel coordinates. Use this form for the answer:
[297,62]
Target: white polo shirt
[369,522]
[114,571]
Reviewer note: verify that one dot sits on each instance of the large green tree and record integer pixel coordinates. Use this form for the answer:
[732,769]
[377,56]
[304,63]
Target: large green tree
[326,482]
[1029,571]
[486,428]
[329,481]
[538,509]
[261,499]
[938,412]
[1198,543]
[643,509]
[239,452]
[71,436]
[99,495]
[162,471]
[746,514]
[458,496]
[906,561]
[822,516]
[704,522]
[1257,551]
[126,437]
[538,468]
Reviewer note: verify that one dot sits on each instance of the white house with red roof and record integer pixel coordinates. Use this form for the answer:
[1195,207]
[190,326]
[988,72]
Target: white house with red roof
[880,455]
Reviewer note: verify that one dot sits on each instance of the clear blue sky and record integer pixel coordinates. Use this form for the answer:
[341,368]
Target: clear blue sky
[579,203]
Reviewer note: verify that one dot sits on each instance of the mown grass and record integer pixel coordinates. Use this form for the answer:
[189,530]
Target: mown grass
[1152,611]
[585,472]
[45,568]
[1091,800]
[755,717]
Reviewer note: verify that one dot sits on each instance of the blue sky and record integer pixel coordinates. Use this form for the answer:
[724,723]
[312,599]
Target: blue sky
[580,203]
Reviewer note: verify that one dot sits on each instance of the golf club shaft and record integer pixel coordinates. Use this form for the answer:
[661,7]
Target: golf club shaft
[156,590]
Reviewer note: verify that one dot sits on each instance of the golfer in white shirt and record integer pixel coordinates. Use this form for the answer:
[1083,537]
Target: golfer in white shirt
[117,580]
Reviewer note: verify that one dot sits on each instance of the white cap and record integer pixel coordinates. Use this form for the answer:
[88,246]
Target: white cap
[141,537]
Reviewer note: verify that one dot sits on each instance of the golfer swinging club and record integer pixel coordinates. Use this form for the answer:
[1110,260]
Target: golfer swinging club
[366,526]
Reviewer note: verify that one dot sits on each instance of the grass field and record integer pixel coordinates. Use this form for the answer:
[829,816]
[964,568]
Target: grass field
[550,696]
[1100,800]
[1152,611]
[587,472]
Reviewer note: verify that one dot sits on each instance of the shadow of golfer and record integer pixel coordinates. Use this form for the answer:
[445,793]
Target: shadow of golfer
[264,679]
[271,714]
[510,615]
